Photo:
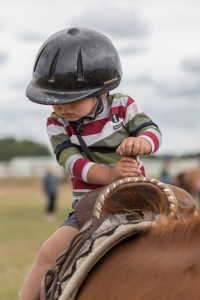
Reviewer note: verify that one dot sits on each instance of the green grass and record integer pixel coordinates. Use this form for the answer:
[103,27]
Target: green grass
[23,230]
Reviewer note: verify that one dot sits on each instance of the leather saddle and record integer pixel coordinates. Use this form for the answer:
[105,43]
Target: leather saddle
[135,194]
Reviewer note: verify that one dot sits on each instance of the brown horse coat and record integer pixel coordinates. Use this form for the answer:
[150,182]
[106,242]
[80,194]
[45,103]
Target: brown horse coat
[187,181]
[162,263]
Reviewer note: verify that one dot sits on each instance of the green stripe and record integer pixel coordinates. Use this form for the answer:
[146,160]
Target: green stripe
[58,139]
[113,140]
[148,127]
[105,158]
[138,120]
[78,195]
[54,115]
[116,96]
[66,153]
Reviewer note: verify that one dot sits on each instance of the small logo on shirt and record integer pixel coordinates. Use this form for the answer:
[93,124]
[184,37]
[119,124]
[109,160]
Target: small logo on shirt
[118,126]
[115,118]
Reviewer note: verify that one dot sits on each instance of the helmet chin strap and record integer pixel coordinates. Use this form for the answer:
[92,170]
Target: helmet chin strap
[99,106]
[80,127]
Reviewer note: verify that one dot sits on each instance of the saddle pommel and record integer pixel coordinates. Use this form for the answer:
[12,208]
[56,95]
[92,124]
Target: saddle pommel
[135,194]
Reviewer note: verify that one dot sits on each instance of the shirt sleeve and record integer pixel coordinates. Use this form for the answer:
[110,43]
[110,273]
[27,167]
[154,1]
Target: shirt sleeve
[67,154]
[139,124]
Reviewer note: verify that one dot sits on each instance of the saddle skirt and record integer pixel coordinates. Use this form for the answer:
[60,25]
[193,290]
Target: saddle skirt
[112,231]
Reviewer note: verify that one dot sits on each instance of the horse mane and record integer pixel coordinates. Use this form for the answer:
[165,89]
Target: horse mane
[174,232]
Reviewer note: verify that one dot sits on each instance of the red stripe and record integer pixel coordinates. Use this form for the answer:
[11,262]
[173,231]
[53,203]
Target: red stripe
[130,101]
[70,130]
[154,138]
[79,185]
[143,171]
[96,126]
[119,110]
[78,167]
[53,121]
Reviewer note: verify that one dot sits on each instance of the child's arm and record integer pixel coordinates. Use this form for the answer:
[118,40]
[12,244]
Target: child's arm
[101,175]
[133,146]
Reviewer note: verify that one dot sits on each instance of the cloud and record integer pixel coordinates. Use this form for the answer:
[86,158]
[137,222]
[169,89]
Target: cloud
[131,50]
[170,88]
[192,65]
[32,36]
[158,44]
[3,58]
[26,120]
[121,22]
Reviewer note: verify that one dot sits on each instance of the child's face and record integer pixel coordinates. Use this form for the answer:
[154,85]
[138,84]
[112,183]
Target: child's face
[76,110]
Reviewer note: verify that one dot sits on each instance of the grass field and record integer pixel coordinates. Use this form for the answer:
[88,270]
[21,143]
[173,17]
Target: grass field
[23,230]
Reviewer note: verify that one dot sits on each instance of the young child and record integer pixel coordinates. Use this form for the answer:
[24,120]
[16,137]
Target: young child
[95,136]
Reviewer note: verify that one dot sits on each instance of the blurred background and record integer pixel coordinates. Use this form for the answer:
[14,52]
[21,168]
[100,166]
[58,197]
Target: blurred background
[159,47]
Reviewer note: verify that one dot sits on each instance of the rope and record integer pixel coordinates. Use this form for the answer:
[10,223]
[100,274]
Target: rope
[110,188]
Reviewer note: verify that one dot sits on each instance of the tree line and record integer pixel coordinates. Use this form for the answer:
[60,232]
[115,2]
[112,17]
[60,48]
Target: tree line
[9,148]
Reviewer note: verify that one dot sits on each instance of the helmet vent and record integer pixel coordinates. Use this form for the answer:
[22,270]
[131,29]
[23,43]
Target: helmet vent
[80,76]
[52,70]
[39,58]
[73,31]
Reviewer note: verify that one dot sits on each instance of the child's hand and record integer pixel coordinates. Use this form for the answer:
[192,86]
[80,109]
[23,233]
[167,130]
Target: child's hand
[125,167]
[133,146]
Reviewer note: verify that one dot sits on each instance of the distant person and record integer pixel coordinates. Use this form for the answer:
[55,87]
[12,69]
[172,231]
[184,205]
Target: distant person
[95,135]
[50,188]
[165,173]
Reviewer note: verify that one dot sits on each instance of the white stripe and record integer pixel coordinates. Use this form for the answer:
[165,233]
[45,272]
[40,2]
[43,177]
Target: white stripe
[82,193]
[106,131]
[103,115]
[91,139]
[74,140]
[55,130]
[85,171]
[150,141]
[82,190]
[132,110]
[63,121]
[156,133]
[70,163]
[122,101]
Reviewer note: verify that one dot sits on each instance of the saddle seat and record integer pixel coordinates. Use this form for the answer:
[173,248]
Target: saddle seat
[134,194]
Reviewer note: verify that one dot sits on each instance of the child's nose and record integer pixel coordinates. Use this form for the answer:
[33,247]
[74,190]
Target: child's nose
[65,104]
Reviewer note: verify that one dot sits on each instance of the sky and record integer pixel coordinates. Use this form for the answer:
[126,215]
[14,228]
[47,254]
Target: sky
[159,47]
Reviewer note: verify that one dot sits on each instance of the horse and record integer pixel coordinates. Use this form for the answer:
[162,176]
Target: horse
[154,253]
[161,263]
[187,181]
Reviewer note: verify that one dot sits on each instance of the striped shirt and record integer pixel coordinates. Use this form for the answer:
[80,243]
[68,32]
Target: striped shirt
[120,118]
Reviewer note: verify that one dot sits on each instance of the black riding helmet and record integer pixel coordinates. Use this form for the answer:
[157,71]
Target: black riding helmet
[74,64]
